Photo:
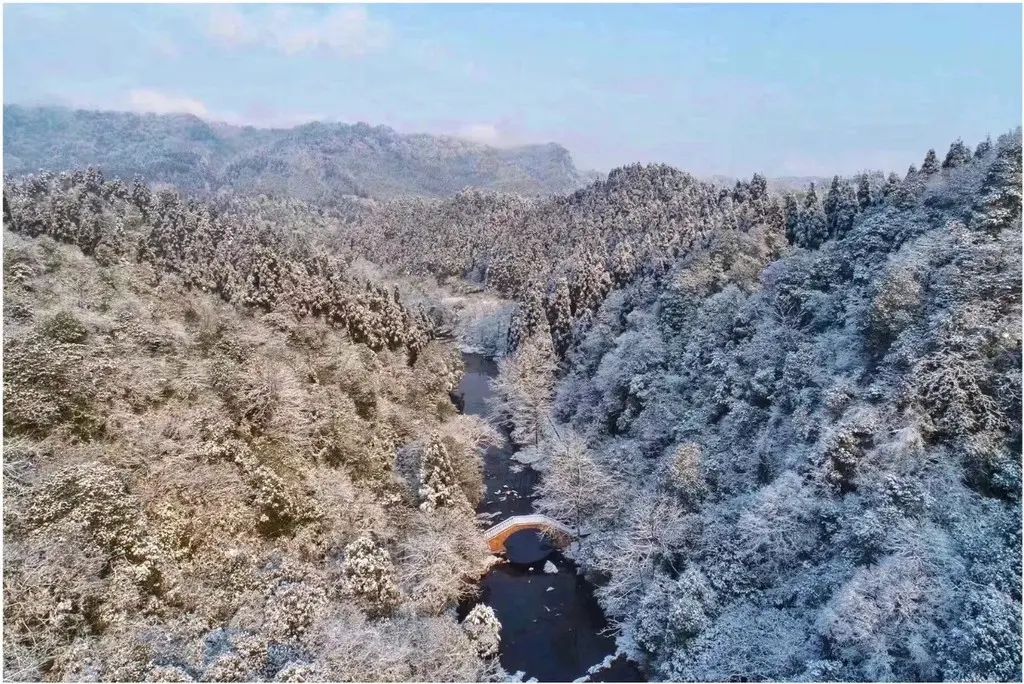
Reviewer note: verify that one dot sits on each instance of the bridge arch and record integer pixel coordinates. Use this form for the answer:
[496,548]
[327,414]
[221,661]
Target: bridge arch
[560,534]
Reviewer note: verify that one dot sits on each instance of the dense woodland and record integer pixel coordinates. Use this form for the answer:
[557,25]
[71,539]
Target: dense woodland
[793,453]
[316,161]
[787,428]
[226,456]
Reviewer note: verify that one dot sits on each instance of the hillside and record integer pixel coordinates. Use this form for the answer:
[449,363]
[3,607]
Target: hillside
[787,428]
[227,457]
[804,464]
[316,161]
[563,255]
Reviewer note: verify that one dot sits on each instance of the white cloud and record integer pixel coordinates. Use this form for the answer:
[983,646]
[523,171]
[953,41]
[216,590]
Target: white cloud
[163,45]
[155,102]
[344,30]
[228,26]
[151,101]
[486,134]
[505,132]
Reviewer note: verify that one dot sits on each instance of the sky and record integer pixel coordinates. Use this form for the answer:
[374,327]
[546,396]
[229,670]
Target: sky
[784,90]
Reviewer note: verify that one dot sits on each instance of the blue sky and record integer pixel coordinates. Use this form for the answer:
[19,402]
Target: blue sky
[713,89]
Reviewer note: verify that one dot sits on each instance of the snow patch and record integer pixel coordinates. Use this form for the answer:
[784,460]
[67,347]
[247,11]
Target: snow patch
[527,457]
[550,568]
[608,660]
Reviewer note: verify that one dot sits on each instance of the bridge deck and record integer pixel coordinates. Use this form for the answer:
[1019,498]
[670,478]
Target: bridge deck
[497,534]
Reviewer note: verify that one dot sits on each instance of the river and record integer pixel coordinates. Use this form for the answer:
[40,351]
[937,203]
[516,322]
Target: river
[552,626]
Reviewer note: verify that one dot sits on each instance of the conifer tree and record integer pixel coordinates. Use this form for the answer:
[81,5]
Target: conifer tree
[484,629]
[369,576]
[791,212]
[560,316]
[892,185]
[1000,201]
[439,485]
[910,190]
[814,223]
[984,147]
[959,155]
[931,163]
[841,208]
[864,197]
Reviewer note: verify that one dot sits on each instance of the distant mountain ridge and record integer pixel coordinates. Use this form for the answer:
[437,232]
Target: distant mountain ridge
[311,162]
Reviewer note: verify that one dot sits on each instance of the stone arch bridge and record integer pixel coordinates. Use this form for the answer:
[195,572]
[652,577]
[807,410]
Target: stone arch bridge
[559,534]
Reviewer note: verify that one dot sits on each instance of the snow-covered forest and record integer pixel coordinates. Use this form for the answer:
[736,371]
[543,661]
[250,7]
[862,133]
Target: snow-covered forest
[794,450]
[786,428]
[229,455]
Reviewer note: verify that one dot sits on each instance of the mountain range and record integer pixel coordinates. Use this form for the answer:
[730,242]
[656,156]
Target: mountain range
[312,162]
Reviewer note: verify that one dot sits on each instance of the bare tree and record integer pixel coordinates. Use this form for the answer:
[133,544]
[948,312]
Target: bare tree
[524,387]
[574,488]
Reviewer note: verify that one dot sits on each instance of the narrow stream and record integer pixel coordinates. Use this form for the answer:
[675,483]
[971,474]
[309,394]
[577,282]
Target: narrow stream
[552,627]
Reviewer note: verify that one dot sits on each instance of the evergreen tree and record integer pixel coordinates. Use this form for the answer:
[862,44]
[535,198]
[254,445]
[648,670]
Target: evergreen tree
[1000,202]
[959,155]
[984,147]
[813,222]
[484,629]
[369,576]
[931,164]
[527,317]
[831,203]
[843,205]
[439,486]
[892,186]
[560,316]
[791,212]
[910,189]
[864,198]
[758,187]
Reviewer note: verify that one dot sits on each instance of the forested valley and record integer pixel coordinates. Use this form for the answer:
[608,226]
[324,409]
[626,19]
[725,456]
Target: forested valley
[785,428]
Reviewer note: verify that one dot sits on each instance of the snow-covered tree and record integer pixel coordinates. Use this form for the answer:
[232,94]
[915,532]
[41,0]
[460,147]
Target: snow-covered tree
[840,207]
[1000,202]
[686,471]
[892,185]
[792,217]
[573,487]
[484,629]
[560,316]
[959,155]
[858,416]
[930,166]
[369,576]
[813,221]
[523,388]
[865,195]
[439,486]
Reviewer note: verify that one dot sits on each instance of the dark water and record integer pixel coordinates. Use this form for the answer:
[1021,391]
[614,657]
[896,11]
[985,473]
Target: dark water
[552,627]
